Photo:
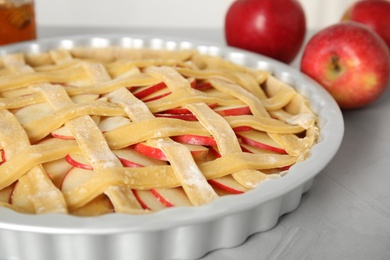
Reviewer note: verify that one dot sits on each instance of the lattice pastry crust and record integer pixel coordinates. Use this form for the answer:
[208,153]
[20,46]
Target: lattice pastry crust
[91,131]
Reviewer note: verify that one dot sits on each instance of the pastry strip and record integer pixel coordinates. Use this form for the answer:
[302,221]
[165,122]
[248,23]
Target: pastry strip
[42,193]
[185,168]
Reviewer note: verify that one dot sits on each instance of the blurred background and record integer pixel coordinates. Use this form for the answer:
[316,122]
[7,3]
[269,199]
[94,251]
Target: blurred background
[165,13]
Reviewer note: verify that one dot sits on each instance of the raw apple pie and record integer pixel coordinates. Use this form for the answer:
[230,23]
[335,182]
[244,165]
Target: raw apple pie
[91,131]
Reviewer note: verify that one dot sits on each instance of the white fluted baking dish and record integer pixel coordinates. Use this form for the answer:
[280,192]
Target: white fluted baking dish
[181,232]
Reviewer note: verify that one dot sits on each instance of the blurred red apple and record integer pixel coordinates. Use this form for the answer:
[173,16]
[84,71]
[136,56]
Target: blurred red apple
[275,28]
[351,61]
[373,13]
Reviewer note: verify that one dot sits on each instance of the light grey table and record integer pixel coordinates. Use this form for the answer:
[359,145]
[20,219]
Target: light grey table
[346,214]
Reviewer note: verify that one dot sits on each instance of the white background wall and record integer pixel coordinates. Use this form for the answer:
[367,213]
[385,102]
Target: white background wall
[165,13]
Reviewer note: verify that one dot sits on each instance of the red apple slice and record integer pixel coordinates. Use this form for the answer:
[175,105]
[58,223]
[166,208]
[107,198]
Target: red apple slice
[78,161]
[215,152]
[57,170]
[182,110]
[242,129]
[203,86]
[131,158]
[157,95]
[195,139]
[186,117]
[260,140]
[5,194]
[229,184]
[148,200]
[62,133]
[33,112]
[192,81]
[252,149]
[233,110]
[198,152]
[19,198]
[150,151]
[171,197]
[142,92]
[75,178]
[2,157]
[110,123]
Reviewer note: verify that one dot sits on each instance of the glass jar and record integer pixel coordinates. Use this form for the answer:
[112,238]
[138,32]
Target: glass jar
[17,21]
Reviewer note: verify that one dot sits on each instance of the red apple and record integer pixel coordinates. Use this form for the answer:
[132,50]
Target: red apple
[373,13]
[351,61]
[275,28]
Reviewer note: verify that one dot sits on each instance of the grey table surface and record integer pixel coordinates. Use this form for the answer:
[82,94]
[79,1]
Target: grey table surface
[346,213]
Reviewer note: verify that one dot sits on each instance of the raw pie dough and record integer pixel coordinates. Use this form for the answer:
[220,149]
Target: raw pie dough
[90,131]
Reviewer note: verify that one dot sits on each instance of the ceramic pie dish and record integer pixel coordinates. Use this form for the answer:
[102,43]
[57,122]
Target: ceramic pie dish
[177,232]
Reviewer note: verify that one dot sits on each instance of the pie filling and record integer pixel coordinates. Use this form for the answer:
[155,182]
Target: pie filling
[91,131]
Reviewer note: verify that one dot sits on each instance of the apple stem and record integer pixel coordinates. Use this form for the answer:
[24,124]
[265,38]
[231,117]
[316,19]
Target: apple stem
[336,63]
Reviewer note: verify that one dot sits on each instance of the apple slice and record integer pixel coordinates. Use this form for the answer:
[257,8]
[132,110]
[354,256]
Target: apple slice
[233,110]
[5,194]
[203,86]
[195,139]
[19,198]
[2,157]
[62,133]
[186,117]
[198,152]
[33,112]
[229,184]
[183,110]
[171,197]
[253,149]
[110,123]
[242,129]
[152,152]
[76,177]
[260,140]
[142,92]
[131,158]
[215,152]
[57,170]
[148,200]
[157,95]
[78,161]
